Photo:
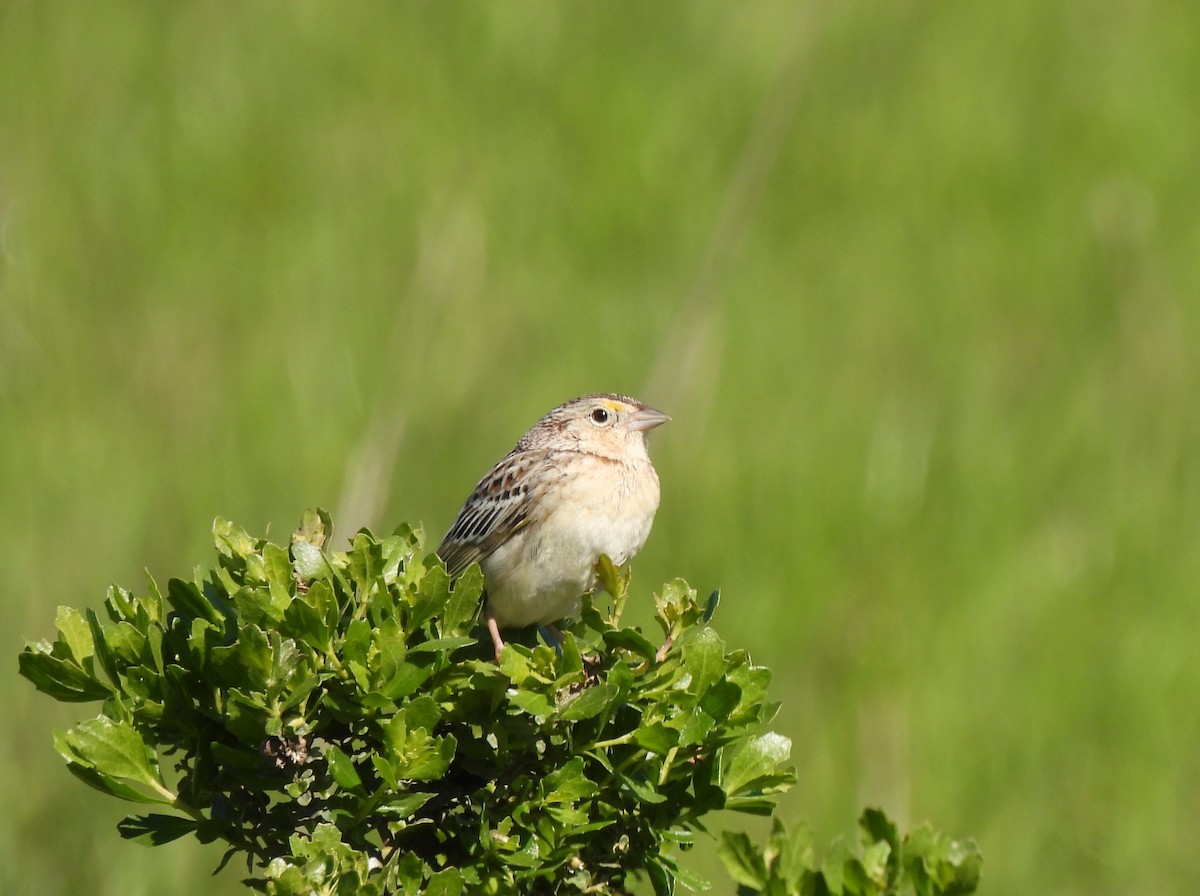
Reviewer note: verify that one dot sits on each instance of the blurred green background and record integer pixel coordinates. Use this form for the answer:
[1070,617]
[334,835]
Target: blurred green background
[916,282]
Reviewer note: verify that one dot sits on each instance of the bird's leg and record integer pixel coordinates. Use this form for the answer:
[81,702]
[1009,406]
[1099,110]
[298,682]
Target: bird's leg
[493,628]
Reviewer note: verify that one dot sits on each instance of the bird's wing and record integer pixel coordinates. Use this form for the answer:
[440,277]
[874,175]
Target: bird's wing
[502,504]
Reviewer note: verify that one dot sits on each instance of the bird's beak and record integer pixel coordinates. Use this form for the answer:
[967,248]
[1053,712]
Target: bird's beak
[646,418]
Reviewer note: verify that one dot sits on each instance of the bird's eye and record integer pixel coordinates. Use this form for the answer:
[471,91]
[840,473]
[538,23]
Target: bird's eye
[600,416]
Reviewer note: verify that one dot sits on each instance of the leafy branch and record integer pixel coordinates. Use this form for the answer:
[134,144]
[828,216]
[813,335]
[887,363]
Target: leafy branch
[337,720]
[924,862]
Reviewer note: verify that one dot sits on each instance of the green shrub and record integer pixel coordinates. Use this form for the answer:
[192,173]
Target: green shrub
[337,720]
[924,862]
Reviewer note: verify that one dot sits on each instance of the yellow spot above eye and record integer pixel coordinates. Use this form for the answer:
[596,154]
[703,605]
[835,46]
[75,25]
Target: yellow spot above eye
[614,406]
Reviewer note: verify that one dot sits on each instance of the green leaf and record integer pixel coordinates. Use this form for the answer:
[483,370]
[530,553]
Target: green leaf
[410,873]
[401,563]
[433,761]
[752,681]
[124,607]
[875,861]
[879,830]
[114,749]
[448,882]
[308,562]
[405,805]
[571,659]
[316,528]
[795,852]
[326,838]
[320,597]
[431,595]
[630,639]
[704,660]
[607,576]
[960,867]
[155,829]
[443,645]
[308,543]
[721,699]
[61,679]
[387,772]
[246,714]
[286,880]
[935,865]
[248,660]
[568,784]
[126,643]
[590,703]
[75,632]
[676,606]
[697,725]
[112,786]
[535,703]
[590,617]
[660,878]
[877,826]
[407,678]
[526,856]
[356,642]
[104,655]
[680,835]
[232,540]
[261,605]
[621,678]
[690,879]
[464,601]
[277,566]
[185,598]
[366,564]
[422,713]
[755,759]
[342,770]
[306,623]
[657,738]
[855,879]
[645,791]
[514,663]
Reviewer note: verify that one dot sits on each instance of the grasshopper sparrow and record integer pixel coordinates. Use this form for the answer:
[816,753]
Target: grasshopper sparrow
[577,485]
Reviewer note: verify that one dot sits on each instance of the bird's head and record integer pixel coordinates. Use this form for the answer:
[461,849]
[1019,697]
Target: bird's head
[604,423]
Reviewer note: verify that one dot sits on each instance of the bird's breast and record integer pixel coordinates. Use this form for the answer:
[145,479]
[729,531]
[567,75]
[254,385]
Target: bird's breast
[539,574]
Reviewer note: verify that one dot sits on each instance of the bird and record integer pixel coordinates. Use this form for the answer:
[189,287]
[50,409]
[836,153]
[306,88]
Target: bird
[577,485]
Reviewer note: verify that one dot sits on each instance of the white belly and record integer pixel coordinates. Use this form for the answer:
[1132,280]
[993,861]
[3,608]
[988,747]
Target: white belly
[539,575]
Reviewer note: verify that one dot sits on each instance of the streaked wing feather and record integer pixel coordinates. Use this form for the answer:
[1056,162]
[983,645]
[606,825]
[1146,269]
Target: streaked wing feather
[499,507]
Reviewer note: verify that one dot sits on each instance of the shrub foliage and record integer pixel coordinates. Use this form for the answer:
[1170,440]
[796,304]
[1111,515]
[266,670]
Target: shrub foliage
[336,718]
